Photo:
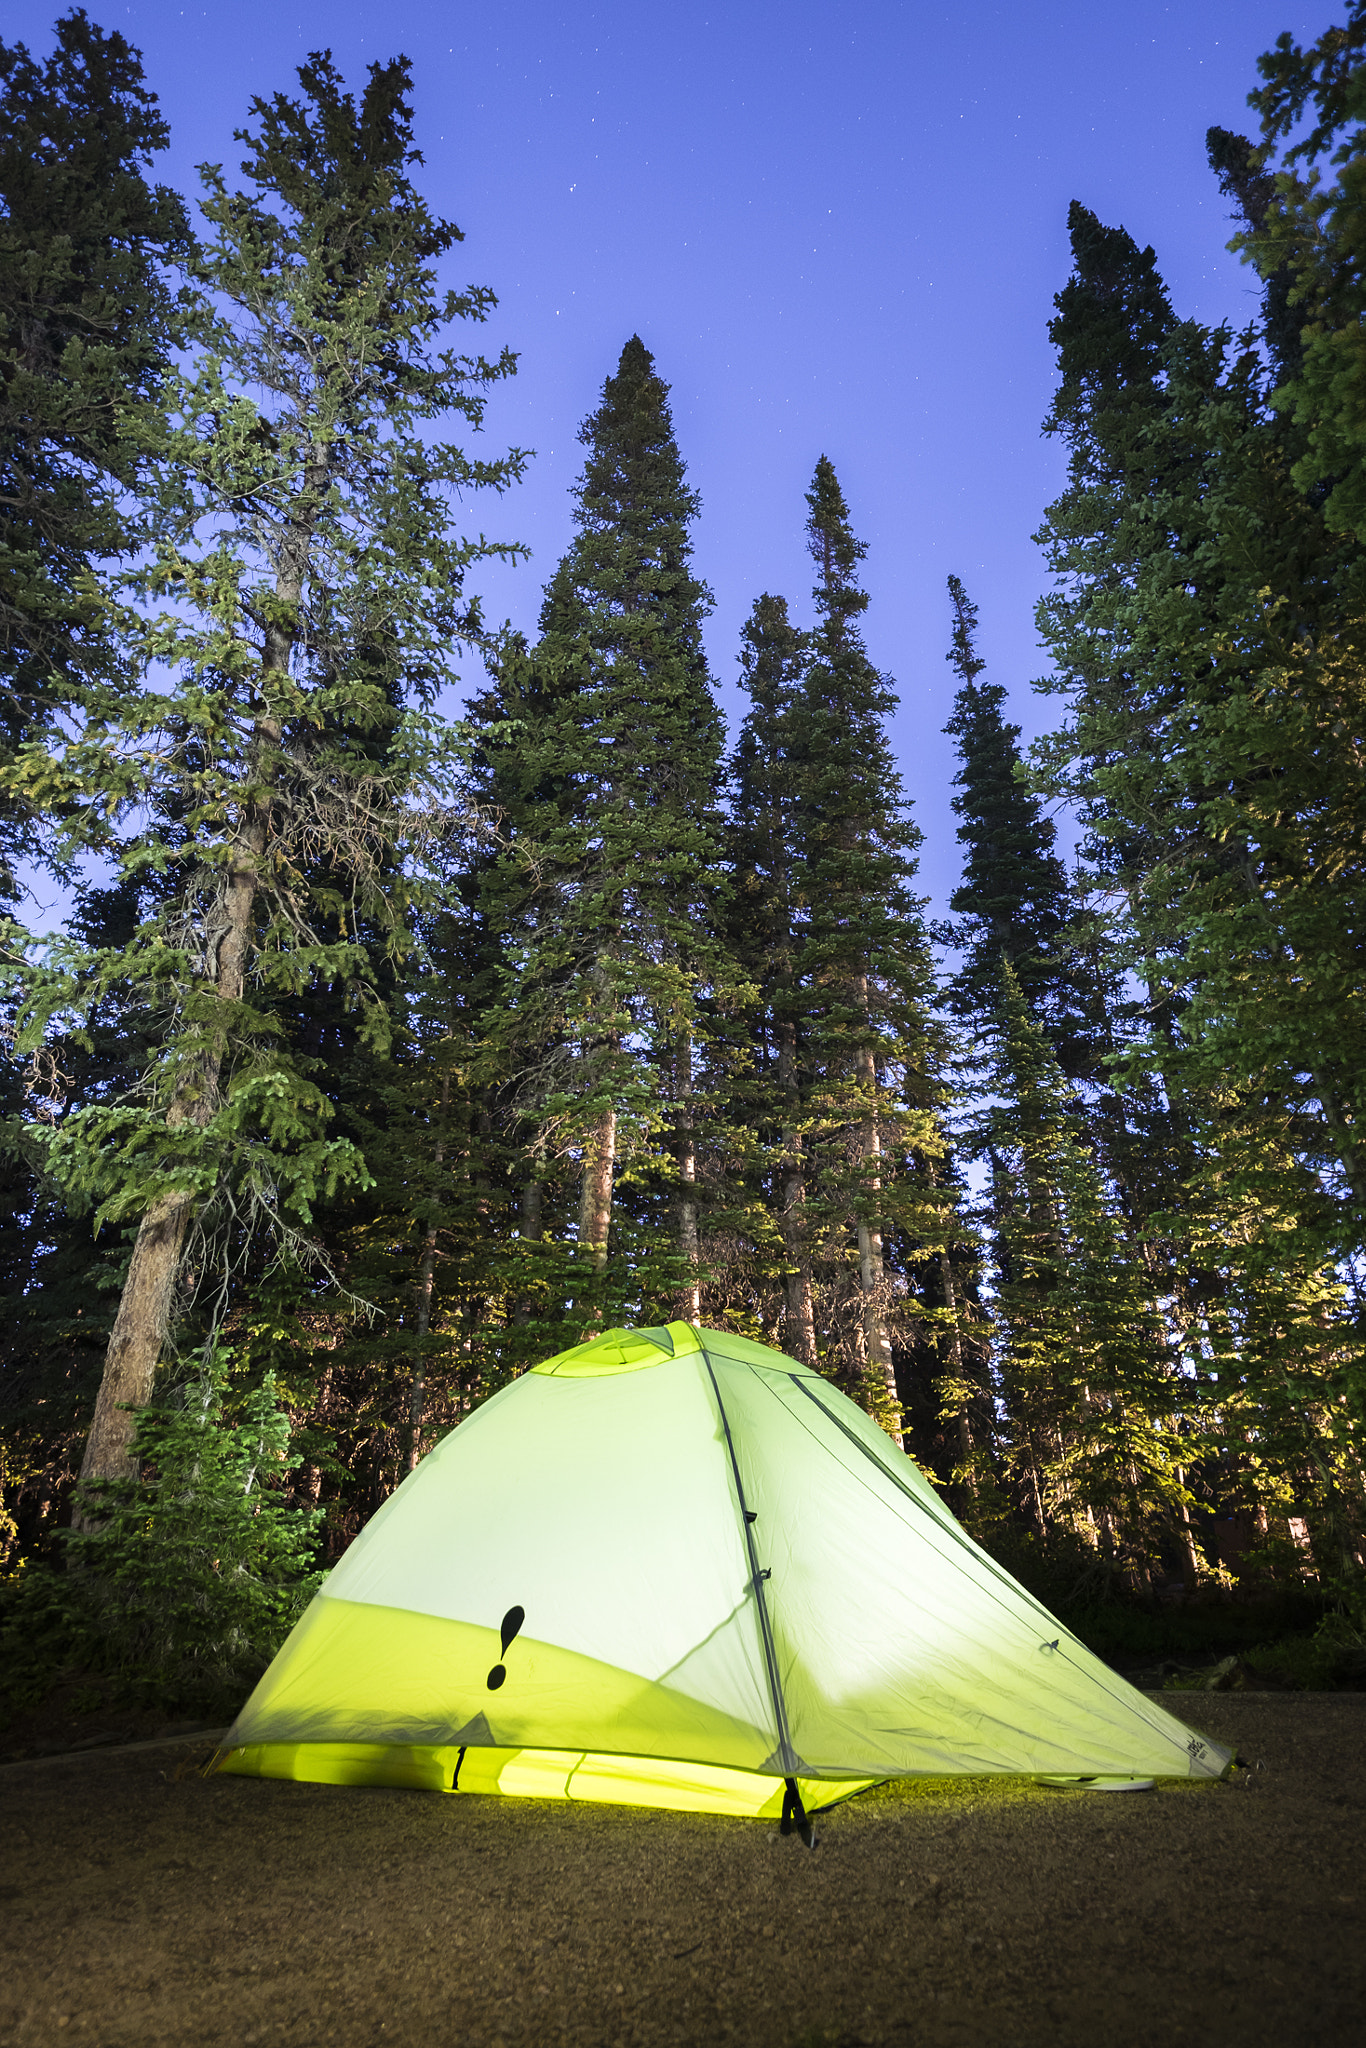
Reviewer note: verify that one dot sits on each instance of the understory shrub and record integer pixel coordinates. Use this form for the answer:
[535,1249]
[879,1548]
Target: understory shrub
[187,1579]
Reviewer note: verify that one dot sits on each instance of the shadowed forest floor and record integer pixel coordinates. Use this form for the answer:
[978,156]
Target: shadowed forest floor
[143,1903]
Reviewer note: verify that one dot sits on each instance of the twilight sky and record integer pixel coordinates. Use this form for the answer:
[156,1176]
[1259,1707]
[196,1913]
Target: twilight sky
[839,228]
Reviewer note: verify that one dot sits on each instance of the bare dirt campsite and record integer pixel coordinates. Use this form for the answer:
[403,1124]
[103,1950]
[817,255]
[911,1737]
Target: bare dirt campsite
[193,1909]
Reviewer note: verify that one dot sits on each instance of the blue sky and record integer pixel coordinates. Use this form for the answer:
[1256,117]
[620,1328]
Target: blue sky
[838,227]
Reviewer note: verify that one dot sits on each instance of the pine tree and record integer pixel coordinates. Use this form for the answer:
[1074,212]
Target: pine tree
[1246,178]
[862,965]
[1113,317]
[1209,628]
[1194,749]
[1013,898]
[1113,331]
[88,322]
[604,745]
[1092,1400]
[1312,229]
[266,765]
[764,933]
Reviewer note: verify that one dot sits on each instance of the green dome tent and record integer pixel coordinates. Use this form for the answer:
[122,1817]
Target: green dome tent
[671,1567]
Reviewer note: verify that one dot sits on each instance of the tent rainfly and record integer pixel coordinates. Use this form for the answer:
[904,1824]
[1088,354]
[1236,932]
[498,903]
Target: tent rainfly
[671,1567]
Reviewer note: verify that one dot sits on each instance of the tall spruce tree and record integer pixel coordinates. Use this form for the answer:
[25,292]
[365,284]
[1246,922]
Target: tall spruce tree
[1013,899]
[1248,180]
[1091,1398]
[267,765]
[88,324]
[1207,628]
[1012,911]
[604,746]
[863,967]
[764,931]
[1112,329]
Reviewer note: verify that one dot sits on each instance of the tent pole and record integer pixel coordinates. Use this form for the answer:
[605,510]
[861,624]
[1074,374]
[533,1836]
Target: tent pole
[786,1753]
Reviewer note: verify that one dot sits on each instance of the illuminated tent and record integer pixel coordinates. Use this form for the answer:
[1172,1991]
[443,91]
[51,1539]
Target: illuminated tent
[673,1568]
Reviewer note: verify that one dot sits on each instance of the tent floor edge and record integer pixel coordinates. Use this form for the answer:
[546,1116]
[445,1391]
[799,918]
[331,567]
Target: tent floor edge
[618,1780]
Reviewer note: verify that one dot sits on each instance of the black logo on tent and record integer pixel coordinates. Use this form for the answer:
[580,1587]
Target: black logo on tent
[512,1621]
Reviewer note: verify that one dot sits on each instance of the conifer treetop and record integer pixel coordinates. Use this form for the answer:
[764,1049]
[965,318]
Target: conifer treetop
[621,623]
[1113,313]
[1013,894]
[634,492]
[836,553]
[1112,321]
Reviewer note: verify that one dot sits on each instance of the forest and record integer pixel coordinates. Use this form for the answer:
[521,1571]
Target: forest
[391,1046]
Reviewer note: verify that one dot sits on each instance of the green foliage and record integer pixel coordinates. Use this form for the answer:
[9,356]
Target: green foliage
[1314,233]
[1012,902]
[277,777]
[197,1571]
[88,322]
[1096,1412]
[602,746]
[1207,629]
[44,1632]
[188,1578]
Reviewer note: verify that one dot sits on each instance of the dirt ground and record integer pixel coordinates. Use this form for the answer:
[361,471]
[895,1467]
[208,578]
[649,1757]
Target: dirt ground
[143,1903]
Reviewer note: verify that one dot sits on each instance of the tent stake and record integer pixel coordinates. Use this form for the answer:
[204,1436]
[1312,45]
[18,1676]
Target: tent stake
[795,1815]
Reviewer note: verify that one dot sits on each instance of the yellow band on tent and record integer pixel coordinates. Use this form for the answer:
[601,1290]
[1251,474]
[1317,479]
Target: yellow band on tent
[535,1774]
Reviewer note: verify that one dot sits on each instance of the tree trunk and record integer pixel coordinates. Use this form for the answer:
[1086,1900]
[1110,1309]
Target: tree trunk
[1032,1470]
[800,1330]
[533,1196]
[595,1202]
[962,1420]
[143,1321]
[135,1342]
[875,1331]
[1190,1560]
[145,1306]
[685,1142]
[600,1145]
[422,1322]
[426,1274]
